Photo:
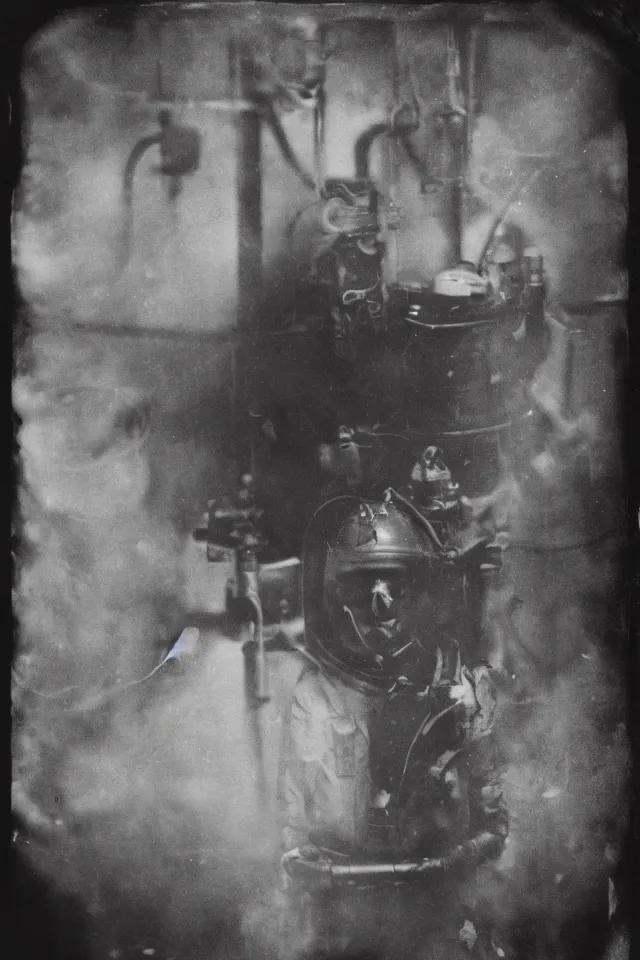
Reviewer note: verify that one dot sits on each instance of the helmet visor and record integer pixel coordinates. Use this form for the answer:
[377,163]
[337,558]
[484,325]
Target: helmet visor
[374,597]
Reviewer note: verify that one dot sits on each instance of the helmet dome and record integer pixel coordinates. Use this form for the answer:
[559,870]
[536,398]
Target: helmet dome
[377,592]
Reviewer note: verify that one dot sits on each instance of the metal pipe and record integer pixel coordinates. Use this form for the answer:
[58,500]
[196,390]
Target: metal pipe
[364,870]
[391,173]
[363,148]
[326,872]
[249,195]
[453,119]
[141,147]
[250,242]
[456,217]
[471,68]
[255,654]
[319,115]
[472,56]
[319,139]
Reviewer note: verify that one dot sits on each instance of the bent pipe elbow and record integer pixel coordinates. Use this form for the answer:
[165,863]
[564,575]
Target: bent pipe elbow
[133,160]
[363,148]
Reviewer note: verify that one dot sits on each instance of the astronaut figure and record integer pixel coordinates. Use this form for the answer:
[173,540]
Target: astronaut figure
[389,778]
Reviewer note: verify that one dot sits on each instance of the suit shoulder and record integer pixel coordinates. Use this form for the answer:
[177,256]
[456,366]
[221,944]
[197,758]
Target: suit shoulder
[308,693]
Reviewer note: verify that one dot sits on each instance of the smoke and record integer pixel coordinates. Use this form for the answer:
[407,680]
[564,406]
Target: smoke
[131,782]
[555,144]
[555,629]
[566,785]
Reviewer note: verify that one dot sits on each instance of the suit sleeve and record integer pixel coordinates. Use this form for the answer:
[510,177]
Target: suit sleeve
[488,809]
[487,806]
[300,761]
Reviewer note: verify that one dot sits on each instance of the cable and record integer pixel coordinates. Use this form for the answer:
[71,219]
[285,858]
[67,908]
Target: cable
[518,190]
[546,161]
[57,695]
[425,726]
[419,517]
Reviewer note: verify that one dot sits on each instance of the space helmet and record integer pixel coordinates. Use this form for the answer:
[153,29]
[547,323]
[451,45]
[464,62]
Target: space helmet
[379,596]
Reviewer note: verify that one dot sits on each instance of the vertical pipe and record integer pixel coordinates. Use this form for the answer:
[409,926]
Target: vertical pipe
[318,140]
[454,145]
[471,67]
[249,195]
[249,205]
[456,218]
[392,258]
[319,120]
[472,57]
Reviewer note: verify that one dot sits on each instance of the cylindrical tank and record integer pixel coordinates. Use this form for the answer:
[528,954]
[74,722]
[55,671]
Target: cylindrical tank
[461,364]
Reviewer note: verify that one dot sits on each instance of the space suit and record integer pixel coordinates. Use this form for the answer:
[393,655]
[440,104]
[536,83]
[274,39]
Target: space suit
[388,757]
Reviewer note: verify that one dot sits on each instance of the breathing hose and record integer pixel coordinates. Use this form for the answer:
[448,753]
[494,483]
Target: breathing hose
[316,868]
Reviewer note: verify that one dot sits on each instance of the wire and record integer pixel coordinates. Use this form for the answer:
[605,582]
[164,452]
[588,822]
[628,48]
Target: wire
[57,695]
[91,703]
[561,155]
[518,190]
[354,624]
[425,726]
